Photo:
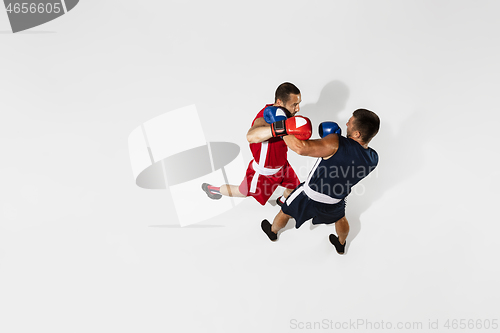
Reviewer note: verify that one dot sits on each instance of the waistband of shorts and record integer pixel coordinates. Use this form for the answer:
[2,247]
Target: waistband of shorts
[319,197]
[264,171]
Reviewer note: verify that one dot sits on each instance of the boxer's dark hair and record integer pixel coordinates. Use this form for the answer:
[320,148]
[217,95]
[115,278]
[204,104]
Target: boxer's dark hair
[284,90]
[367,123]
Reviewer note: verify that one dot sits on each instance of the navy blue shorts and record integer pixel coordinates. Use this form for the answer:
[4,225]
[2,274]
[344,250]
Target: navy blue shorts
[303,208]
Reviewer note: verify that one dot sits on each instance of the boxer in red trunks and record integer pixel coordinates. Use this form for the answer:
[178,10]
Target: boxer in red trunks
[269,167]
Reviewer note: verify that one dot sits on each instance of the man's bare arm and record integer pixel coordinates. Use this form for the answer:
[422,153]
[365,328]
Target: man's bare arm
[325,147]
[259,132]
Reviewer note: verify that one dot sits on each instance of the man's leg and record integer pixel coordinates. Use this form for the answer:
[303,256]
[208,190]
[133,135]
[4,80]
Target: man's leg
[281,199]
[231,191]
[287,192]
[342,229]
[216,193]
[279,223]
[290,179]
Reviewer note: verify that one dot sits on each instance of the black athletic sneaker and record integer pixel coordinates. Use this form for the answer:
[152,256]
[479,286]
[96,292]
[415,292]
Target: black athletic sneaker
[211,195]
[278,202]
[266,227]
[335,241]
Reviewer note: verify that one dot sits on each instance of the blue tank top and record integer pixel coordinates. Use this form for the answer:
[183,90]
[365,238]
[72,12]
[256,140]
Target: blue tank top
[336,176]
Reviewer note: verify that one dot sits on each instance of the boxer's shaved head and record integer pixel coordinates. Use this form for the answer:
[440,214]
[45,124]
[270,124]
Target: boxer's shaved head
[288,96]
[284,90]
[367,123]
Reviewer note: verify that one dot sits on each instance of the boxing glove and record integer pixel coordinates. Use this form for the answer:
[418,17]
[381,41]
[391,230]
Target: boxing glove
[329,127]
[299,126]
[273,114]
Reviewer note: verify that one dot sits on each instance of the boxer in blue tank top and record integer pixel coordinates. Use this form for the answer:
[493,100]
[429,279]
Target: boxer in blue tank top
[342,163]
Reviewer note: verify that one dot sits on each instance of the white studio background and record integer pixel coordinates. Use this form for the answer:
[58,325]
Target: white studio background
[83,249]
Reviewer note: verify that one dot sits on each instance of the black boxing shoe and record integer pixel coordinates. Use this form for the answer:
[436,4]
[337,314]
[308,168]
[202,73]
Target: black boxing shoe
[335,241]
[278,201]
[266,227]
[211,195]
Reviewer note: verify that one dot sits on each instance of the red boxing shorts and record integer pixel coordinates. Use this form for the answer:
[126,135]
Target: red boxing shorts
[261,187]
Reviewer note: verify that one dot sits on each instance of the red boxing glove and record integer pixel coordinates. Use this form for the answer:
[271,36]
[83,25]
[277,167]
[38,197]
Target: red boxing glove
[299,126]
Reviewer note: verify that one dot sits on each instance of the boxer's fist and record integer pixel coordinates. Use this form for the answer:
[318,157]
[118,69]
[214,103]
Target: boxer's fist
[273,114]
[299,126]
[329,127]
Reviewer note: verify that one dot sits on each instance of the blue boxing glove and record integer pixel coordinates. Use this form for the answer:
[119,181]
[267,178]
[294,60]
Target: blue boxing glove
[329,127]
[273,114]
